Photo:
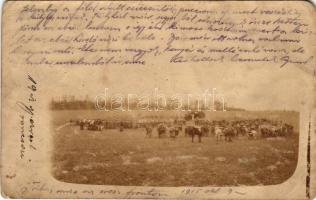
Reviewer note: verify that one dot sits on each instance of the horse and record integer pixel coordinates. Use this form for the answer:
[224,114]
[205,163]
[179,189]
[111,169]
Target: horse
[205,131]
[161,129]
[192,131]
[228,133]
[218,134]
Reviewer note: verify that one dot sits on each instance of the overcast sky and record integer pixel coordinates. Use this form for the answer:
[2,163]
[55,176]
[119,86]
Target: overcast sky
[261,87]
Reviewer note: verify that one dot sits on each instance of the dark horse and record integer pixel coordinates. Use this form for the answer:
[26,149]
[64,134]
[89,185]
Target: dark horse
[192,131]
[162,129]
[228,133]
[205,131]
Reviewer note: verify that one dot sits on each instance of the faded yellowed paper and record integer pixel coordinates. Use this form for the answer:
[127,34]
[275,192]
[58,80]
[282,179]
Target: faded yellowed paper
[163,100]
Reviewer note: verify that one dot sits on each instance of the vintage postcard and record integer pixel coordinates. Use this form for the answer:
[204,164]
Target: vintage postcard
[158,99]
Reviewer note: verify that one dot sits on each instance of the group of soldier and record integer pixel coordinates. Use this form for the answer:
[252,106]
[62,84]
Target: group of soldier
[252,128]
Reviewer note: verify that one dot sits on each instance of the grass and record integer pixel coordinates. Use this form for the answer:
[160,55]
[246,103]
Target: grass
[111,157]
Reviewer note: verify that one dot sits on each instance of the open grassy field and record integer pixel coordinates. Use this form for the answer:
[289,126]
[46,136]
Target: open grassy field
[129,158]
